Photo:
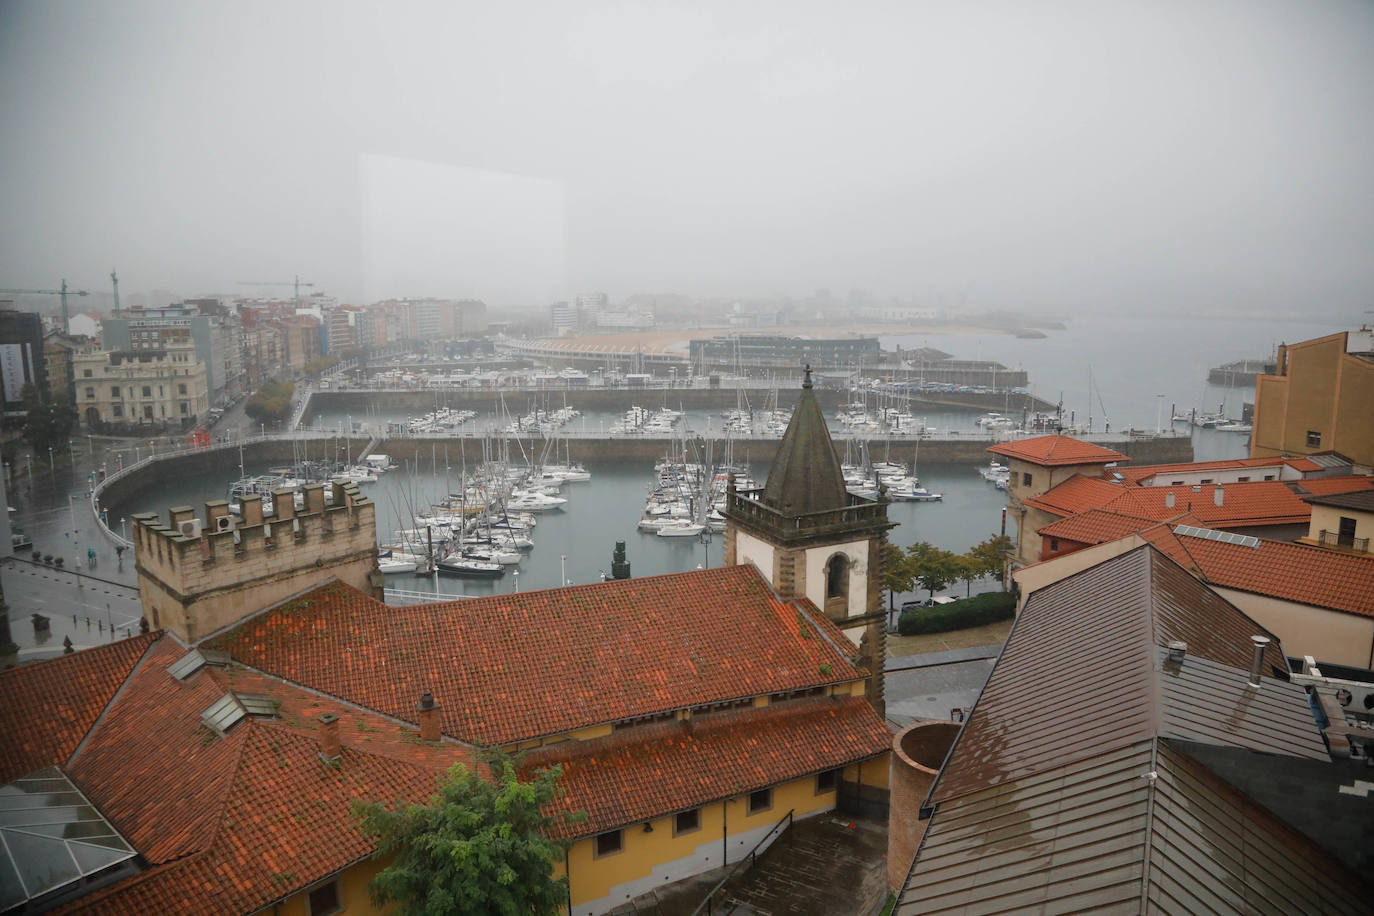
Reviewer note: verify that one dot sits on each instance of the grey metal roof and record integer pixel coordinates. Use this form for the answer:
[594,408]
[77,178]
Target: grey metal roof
[1078,675]
[1201,700]
[1069,839]
[1360,500]
[1063,792]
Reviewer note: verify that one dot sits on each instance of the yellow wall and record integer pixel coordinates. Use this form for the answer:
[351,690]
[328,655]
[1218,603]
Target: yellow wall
[1327,636]
[353,893]
[594,879]
[1325,390]
[1328,518]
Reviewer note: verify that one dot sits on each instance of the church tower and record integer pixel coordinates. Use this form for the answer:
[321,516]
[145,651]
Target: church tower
[813,539]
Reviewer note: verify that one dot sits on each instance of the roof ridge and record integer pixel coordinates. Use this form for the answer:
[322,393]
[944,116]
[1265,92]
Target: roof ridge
[114,697]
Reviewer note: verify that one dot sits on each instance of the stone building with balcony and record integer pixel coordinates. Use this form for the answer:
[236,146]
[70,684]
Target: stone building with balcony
[161,387]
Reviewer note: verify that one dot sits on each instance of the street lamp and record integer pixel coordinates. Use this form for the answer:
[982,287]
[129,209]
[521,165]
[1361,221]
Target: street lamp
[51,469]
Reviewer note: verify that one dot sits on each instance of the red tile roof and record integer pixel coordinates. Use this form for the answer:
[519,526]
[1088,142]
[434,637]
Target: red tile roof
[1262,502]
[1056,450]
[513,667]
[1077,494]
[232,823]
[49,706]
[1096,526]
[1292,572]
[649,771]
[1137,473]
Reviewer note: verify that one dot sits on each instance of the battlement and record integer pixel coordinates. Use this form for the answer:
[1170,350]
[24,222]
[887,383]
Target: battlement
[198,575]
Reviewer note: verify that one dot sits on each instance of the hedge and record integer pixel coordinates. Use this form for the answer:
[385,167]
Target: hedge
[988,607]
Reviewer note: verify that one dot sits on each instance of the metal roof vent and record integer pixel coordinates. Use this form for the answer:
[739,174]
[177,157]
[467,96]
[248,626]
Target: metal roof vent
[187,665]
[1177,651]
[1257,661]
[223,714]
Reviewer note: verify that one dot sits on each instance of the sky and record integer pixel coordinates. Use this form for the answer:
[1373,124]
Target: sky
[1178,157]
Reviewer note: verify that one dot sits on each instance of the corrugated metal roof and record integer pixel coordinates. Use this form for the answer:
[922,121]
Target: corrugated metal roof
[1213,850]
[1069,839]
[1211,703]
[1077,677]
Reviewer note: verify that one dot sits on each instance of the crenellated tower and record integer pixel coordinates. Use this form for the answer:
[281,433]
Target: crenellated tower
[199,575]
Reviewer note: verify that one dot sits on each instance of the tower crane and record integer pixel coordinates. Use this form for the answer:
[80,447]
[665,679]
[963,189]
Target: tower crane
[295,283]
[63,292]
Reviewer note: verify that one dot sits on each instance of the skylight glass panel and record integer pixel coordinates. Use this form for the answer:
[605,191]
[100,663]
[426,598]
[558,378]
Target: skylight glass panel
[51,836]
[223,714]
[187,665]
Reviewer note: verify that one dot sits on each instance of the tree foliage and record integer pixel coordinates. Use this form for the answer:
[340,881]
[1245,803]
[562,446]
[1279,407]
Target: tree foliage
[896,575]
[316,366]
[479,846]
[271,403]
[48,426]
[932,568]
[988,555]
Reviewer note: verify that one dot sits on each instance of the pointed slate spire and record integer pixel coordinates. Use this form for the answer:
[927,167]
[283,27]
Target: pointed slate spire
[806,475]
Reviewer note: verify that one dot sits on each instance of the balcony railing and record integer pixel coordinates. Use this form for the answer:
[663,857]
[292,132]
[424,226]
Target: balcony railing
[1334,539]
[860,513]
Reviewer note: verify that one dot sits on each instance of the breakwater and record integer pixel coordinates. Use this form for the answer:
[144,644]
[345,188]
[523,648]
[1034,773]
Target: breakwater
[421,400]
[596,450]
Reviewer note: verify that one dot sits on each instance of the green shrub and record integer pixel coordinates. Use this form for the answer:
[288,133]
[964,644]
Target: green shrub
[988,607]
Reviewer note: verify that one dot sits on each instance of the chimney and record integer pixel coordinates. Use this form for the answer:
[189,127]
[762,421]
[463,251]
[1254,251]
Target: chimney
[1257,661]
[1219,496]
[429,717]
[330,748]
[1169,500]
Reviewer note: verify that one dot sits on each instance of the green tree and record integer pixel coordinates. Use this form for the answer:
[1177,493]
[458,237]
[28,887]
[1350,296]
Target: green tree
[271,403]
[896,572]
[931,567]
[988,555]
[479,846]
[969,569]
[48,426]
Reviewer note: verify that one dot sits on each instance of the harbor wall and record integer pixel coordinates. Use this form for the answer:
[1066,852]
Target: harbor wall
[147,475]
[518,400]
[595,451]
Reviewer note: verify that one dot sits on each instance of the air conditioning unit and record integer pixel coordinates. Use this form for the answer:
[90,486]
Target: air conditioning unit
[190,528]
[224,523]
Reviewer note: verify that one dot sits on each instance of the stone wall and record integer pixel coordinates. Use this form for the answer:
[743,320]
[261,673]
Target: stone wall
[197,584]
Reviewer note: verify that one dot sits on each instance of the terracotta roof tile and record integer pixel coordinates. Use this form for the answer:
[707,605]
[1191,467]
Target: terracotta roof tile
[247,817]
[1096,526]
[47,708]
[1137,473]
[512,667]
[1056,450]
[649,771]
[1261,502]
[1077,494]
[1292,572]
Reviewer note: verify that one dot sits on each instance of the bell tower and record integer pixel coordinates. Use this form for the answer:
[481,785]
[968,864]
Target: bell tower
[813,539]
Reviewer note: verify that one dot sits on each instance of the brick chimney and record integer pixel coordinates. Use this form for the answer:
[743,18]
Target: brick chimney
[330,749]
[429,717]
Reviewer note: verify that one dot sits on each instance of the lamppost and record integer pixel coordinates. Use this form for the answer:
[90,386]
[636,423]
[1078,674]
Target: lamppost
[51,469]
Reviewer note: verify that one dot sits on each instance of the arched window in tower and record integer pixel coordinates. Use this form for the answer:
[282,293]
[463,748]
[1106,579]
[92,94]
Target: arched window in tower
[837,577]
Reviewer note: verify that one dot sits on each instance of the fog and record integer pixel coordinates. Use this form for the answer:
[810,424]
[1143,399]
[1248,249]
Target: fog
[1184,157]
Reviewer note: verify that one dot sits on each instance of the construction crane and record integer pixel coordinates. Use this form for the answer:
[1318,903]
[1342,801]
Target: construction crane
[63,292]
[295,283]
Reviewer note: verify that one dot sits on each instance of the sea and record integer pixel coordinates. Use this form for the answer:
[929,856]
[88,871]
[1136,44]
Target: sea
[1126,371]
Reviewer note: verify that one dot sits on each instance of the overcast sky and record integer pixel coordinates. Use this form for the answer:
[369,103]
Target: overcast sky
[1059,155]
